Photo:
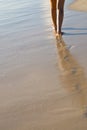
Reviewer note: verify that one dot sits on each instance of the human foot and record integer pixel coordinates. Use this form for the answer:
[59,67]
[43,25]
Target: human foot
[58,35]
[62,33]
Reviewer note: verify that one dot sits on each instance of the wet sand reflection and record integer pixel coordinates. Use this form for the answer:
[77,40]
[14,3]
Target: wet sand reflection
[72,75]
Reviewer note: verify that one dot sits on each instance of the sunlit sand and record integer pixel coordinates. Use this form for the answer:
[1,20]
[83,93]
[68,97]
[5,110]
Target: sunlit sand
[80,5]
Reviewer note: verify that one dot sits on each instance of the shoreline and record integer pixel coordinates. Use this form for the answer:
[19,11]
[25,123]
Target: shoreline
[79,5]
[42,79]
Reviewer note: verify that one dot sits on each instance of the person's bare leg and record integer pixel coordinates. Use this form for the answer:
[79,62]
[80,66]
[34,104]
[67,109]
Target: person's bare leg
[60,15]
[54,13]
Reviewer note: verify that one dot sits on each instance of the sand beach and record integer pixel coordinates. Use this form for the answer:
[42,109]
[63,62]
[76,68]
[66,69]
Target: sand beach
[80,5]
[43,80]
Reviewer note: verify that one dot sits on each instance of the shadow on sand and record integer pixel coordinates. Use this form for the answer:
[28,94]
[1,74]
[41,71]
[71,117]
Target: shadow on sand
[70,28]
[75,29]
[72,75]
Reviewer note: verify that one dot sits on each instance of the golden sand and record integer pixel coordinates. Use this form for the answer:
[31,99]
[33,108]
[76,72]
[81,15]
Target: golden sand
[80,5]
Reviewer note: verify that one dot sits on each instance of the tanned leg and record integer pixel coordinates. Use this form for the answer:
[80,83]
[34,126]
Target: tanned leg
[54,13]
[60,15]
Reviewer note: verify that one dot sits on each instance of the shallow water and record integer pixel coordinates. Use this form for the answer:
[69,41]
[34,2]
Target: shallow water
[34,91]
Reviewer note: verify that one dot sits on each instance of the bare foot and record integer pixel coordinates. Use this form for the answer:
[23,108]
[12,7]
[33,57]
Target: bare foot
[62,33]
[58,35]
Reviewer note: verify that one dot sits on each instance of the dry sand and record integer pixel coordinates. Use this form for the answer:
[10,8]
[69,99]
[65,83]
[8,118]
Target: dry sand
[80,5]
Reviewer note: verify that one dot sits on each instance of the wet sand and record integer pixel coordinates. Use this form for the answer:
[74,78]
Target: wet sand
[42,79]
